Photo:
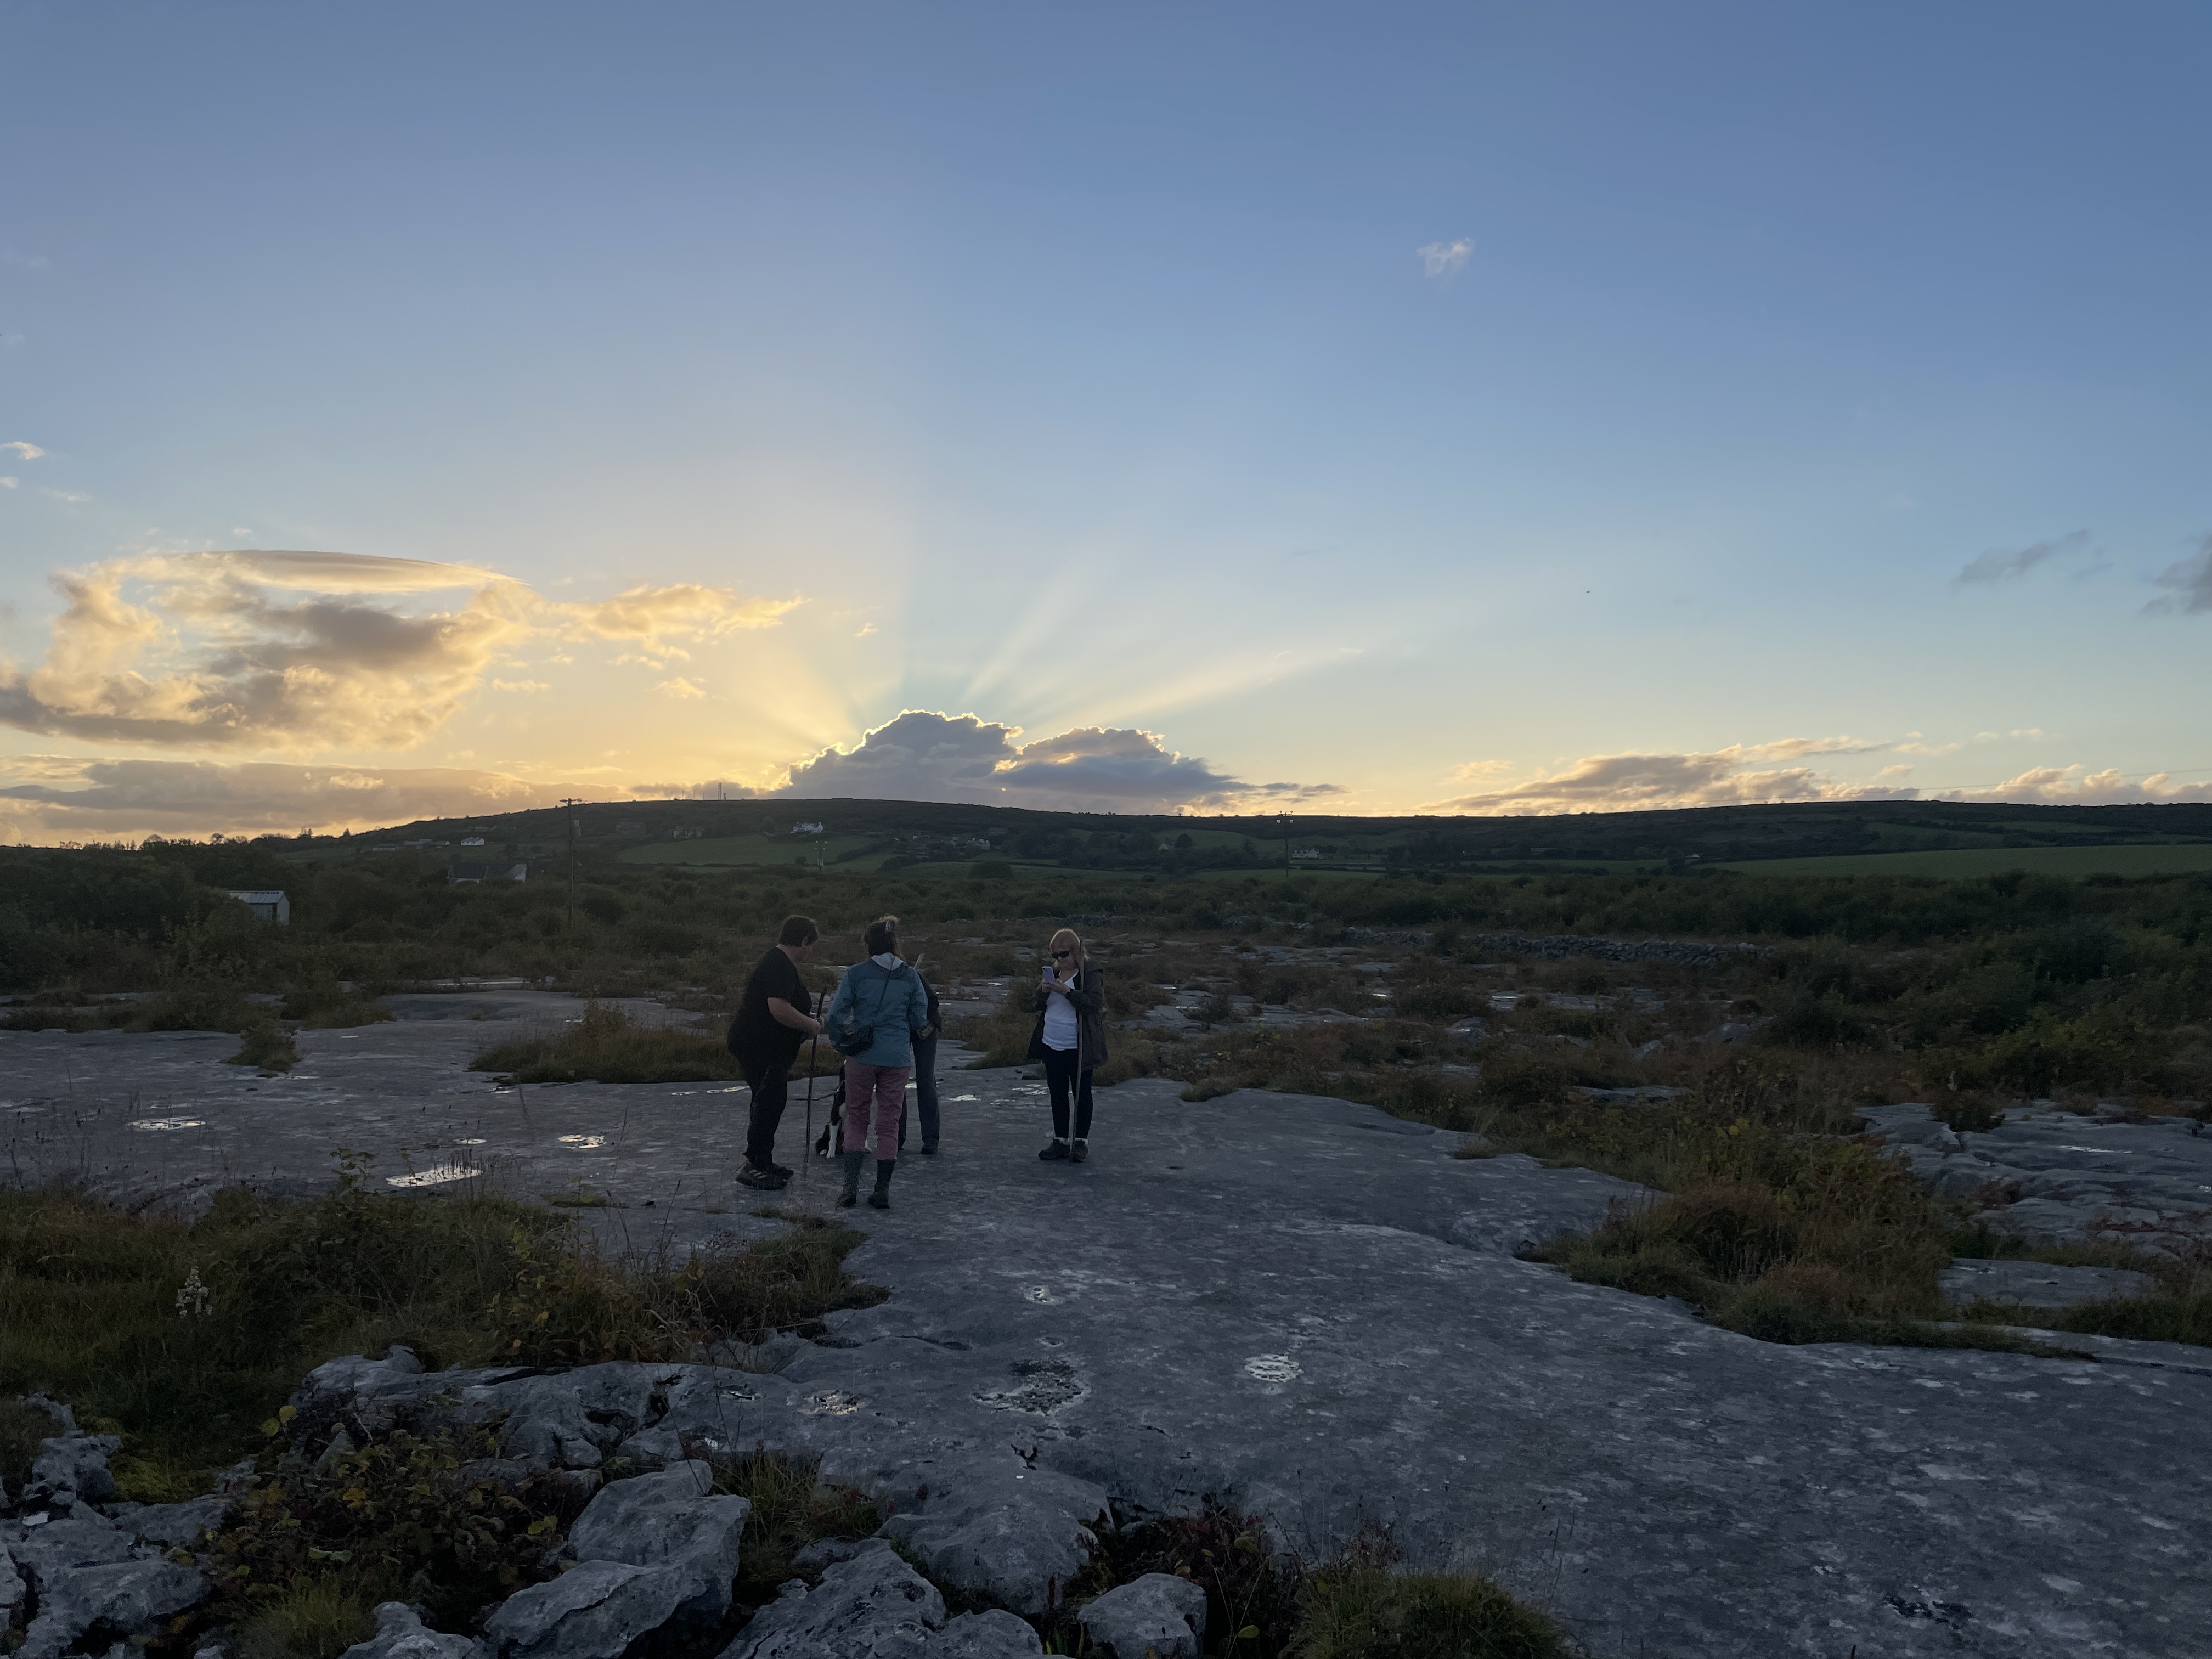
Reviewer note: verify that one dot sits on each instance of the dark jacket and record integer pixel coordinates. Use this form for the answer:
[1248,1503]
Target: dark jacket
[1088,995]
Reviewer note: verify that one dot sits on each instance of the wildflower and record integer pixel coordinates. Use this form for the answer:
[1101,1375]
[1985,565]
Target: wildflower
[193,1297]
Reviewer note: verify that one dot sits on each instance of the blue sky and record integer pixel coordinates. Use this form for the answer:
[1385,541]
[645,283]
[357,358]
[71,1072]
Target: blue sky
[1082,370]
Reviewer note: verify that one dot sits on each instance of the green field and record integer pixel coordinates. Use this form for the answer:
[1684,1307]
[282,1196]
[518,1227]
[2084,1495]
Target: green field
[729,851]
[1968,861]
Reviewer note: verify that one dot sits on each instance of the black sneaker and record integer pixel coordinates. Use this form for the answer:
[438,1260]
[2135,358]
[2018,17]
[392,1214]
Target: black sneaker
[1054,1152]
[779,1169]
[929,1148]
[765,1181]
[1078,1151]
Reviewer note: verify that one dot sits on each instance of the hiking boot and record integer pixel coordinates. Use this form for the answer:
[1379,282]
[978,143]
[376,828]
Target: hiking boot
[929,1148]
[1078,1151]
[769,1180]
[1054,1152]
[881,1198]
[851,1195]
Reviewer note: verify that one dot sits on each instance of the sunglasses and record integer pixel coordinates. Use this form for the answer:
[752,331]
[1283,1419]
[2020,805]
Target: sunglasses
[1061,955]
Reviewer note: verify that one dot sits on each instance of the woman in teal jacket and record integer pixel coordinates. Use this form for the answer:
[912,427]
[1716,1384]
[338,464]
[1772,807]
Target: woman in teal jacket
[884,997]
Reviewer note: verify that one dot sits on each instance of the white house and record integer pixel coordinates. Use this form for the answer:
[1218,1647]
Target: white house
[458,871]
[473,841]
[268,903]
[805,828]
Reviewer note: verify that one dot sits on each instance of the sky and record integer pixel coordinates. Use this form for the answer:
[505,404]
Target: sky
[418,409]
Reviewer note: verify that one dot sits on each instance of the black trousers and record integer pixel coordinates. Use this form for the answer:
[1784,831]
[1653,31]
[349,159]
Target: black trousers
[770,1081]
[1061,1073]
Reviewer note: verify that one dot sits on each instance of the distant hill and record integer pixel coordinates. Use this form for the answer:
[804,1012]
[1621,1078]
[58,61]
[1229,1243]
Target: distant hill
[923,837]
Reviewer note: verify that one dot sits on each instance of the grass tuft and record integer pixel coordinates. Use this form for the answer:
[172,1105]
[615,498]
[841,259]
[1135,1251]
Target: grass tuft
[607,1046]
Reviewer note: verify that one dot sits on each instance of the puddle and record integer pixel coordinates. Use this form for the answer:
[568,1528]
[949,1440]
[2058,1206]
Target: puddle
[584,1143]
[734,1089]
[954,1100]
[834,1403]
[430,1177]
[157,1124]
[1271,1368]
[476,1140]
[1042,1387]
[1038,1293]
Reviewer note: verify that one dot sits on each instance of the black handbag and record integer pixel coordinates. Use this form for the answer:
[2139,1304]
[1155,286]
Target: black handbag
[858,1039]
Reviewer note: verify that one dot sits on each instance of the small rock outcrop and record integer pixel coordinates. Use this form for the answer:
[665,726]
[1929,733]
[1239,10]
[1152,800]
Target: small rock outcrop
[654,1551]
[401,1634]
[2037,1286]
[871,1606]
[1158,1616]
[1009,1534]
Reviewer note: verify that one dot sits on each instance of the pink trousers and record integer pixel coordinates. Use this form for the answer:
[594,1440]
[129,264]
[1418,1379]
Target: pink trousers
[878,1091]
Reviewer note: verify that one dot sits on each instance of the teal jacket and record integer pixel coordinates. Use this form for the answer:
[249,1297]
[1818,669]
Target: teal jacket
[893,1001]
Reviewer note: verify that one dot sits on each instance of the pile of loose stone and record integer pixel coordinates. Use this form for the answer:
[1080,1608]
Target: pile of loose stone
[653,1553]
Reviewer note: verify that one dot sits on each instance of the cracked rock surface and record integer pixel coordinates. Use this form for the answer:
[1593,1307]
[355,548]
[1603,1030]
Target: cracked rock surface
[1297,1303]
[2046,1176]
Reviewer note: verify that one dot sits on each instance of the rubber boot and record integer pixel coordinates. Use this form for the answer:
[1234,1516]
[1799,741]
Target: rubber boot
[851,1195]
[881,1198]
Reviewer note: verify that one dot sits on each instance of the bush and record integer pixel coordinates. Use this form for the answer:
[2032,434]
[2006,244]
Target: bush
[267,1045]
[604,1046]
[1362,1611]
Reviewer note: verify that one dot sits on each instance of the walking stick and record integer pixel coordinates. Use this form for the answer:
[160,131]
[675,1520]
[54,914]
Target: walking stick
[813,1049]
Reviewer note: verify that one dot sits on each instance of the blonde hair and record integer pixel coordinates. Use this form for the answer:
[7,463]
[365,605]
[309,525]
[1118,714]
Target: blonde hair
[1075,942]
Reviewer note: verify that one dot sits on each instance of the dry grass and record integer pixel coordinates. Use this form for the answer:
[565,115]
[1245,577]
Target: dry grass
[607,1046]
[90,1306]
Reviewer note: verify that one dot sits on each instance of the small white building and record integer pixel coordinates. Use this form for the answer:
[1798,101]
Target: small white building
[268,903]
[456,872]
[805,828]
[473,841]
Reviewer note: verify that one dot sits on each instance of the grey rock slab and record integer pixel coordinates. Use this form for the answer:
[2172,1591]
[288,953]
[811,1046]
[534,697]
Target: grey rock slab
[175,1523]
[1007,1532]
[1263,1298]
[401,1634]
[873,1606]
[14,1588]
[674,1523]
[2051,1177]
[2038,1285]
[1158,1616]
[594,1611]
[45,1542]
[995,1634]
[130,1597]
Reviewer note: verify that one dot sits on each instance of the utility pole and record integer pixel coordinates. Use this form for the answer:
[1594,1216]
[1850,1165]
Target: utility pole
[1284,820]
[568,804]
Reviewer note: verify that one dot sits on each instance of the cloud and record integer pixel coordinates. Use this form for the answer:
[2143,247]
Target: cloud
[1445,259]
[1732,777]
[2000,564]
[303,650]
[520,685]
[74,498]
[2192,582]
[2078,785]
[28,452]
[1632,783]
[63,798]
[865,629]
[926,755]
[680,687]
[9,484]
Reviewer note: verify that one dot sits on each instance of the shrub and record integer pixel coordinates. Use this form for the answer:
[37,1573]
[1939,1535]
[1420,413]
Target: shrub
[606,1046]
[1363,1611]
[267,1045]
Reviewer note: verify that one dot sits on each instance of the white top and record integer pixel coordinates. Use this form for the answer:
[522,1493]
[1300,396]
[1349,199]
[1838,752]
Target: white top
[1062,1030]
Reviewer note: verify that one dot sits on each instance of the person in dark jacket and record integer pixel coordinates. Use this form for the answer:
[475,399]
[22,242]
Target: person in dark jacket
[925,1069]
[772,1021]
[1070,1004]
[883,997]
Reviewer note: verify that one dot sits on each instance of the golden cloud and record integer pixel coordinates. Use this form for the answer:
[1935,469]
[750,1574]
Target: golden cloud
[307,650]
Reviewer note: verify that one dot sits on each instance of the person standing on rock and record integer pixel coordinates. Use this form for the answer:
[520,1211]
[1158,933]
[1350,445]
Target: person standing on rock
[879,1008]
[925,1069]
[1070,1004]
[773,1020]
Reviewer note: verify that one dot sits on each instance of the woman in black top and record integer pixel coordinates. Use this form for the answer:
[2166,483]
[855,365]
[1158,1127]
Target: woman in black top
[772,1021]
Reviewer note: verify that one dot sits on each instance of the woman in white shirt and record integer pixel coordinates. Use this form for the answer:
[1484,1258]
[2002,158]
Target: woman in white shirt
[1070,1039]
